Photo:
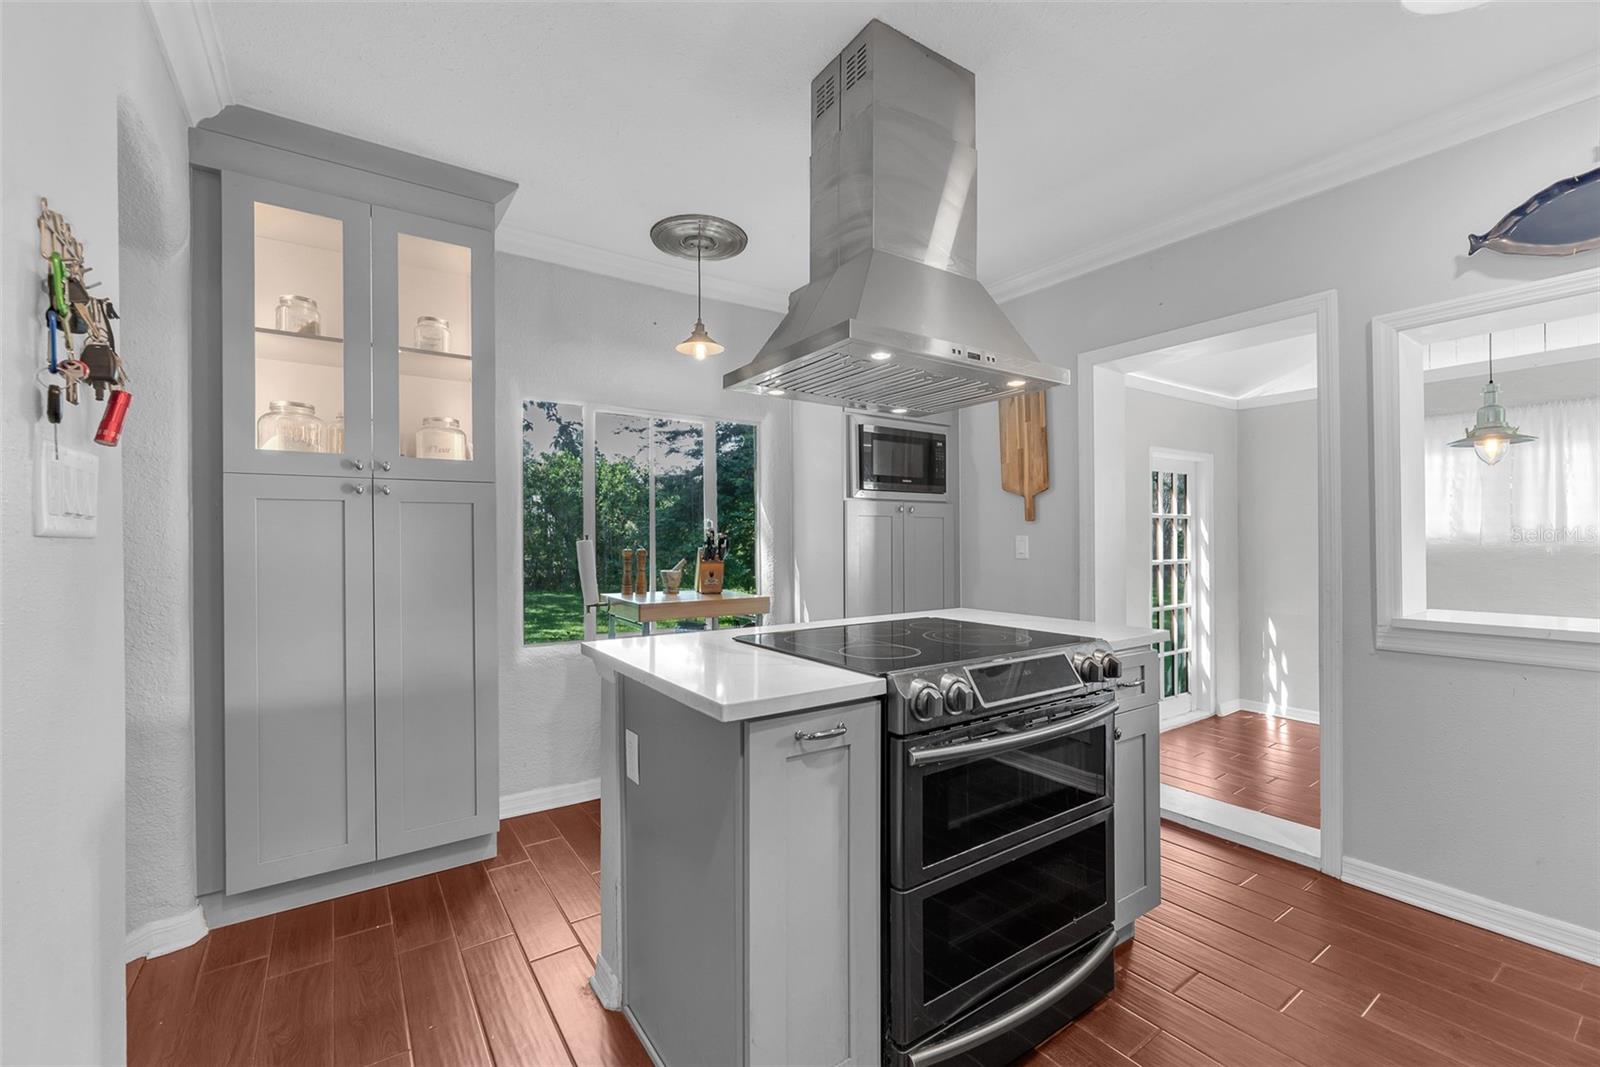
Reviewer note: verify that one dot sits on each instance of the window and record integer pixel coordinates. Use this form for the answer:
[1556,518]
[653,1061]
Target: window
[552,521]
[651,485]
[1171,579]
[1478,560]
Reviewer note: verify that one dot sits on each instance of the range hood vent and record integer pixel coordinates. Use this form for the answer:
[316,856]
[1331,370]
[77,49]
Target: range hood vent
[894,318]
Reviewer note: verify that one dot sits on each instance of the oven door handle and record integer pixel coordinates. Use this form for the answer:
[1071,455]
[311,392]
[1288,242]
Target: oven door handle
[952,1047]
[920,757]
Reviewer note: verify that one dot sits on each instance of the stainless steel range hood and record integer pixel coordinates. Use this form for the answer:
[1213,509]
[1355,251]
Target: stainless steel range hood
[894,318]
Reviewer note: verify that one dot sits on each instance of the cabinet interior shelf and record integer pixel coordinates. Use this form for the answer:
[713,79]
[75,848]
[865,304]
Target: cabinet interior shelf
[322,351]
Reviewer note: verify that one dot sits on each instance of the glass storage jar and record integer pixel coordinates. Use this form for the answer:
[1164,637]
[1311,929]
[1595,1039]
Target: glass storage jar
[433,334]
[289,426]
[441,437]
[298,314]
[336,434]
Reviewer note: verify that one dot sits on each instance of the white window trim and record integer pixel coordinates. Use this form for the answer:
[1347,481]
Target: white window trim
[1403,621]
[708,473]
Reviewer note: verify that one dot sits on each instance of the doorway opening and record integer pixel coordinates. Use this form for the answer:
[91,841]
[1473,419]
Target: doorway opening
[1209,475]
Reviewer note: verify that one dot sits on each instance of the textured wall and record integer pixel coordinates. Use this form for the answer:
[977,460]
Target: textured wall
[1419,730]
[61,614]
[153,195]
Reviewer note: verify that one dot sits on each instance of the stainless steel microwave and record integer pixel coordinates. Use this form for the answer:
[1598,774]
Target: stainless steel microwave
[889,460]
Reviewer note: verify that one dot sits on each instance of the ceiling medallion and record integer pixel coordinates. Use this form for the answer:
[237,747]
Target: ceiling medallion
[698,237]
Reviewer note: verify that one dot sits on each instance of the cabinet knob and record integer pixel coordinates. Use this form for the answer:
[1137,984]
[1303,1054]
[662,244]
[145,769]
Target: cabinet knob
[385,490]
[358,465]
[902,507]
[913,510]
[358,489]
[1116,734]
[382,464]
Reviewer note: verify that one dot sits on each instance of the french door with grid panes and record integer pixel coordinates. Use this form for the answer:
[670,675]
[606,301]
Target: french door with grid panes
[1172,589]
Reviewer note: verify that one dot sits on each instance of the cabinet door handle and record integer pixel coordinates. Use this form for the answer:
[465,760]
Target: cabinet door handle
[821,735]
[385,490]
[358,489]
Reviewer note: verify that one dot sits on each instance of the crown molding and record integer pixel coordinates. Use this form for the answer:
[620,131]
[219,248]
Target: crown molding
[665,274]
[187,33]
[1560,86]
[1161,386]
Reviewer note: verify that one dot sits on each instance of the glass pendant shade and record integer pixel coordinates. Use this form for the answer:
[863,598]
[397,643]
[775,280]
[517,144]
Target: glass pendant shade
[699,343]
[1491,437]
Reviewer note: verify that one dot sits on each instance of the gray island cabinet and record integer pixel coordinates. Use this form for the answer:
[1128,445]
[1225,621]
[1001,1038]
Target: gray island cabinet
[741,841]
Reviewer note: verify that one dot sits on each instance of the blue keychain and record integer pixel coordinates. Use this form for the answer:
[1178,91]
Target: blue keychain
[54,320]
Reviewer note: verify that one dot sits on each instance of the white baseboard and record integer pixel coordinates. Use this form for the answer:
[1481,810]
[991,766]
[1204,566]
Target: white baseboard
[166,935]
[1557,935]
[547,797]
[1185,718]
[1297,714]
[605,985]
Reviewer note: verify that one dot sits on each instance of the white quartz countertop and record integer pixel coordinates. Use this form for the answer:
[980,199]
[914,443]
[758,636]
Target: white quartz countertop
[732,681]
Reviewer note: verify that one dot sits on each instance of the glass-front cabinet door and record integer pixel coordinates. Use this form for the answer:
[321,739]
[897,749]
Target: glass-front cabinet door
[297,350]
[433,335]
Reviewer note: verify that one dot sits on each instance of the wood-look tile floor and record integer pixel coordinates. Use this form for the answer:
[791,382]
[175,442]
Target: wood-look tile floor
[1251,961]
[487,963]
[1253,761]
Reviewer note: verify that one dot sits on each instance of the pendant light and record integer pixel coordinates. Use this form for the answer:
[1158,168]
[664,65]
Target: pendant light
[1491,437]
[700,237]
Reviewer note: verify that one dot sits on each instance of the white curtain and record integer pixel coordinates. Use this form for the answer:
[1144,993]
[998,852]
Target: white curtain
[1546,490]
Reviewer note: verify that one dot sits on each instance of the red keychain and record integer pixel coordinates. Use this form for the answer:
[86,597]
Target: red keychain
[110,431]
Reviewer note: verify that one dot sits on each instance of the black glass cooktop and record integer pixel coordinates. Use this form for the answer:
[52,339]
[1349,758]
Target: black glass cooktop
[904,644]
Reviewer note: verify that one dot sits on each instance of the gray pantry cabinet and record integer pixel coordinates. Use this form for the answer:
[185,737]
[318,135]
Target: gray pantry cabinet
[899,556]
[1136,781]
[350,291]
[752,886]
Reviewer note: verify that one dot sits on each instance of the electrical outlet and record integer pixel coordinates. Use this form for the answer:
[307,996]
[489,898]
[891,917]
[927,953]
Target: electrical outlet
[1022,546]
[630,749]
[66,493]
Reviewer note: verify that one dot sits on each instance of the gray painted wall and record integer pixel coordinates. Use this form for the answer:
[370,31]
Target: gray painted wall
[153,189]
[62,667]
[1420,730]
[1278,555]
[568,335]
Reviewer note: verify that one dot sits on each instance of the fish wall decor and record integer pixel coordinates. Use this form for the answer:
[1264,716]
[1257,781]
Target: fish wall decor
[1559,221]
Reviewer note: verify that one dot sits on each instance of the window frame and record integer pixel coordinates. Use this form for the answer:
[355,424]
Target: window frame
[1402,620]
[591,413]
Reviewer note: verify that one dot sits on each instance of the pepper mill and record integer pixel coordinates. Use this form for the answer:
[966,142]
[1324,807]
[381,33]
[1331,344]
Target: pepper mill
[641,571]
[627,572]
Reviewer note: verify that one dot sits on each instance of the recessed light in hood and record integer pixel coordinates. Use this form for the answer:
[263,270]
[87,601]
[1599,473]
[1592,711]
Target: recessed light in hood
[894,316]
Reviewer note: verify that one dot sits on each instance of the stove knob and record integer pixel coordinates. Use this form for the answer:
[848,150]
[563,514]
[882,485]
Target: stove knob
[1087,666]
[1110,665]
[924,700]
[958,695]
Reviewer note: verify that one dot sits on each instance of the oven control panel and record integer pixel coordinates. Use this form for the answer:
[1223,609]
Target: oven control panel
[930,699]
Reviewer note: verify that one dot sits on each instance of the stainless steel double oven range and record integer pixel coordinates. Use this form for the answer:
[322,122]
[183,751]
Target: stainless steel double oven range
[998,864]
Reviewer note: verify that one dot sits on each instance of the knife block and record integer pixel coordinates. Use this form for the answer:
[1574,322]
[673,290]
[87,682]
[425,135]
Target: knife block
[707,574]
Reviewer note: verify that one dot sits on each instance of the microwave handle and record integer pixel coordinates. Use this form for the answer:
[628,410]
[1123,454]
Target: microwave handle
[919,757]
[952,1047]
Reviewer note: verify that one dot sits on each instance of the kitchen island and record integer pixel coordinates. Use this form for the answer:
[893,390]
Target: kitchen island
[743,839]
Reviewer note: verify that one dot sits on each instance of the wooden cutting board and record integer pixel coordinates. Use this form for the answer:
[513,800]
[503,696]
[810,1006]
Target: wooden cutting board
[1024,448]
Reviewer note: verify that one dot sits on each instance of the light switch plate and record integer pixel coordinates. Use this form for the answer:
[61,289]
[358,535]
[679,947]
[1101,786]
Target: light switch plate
[630,748]
[66,489]
[1022,546]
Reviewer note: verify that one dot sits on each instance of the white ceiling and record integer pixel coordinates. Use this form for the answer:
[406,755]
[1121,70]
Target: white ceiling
[1103,129]
[1264,364]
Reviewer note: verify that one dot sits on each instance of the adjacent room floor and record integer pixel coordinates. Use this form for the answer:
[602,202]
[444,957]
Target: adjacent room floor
[1249,960]
[1253,761]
